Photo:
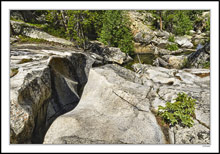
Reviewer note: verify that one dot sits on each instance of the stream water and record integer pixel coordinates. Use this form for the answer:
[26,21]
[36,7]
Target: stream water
[146,58]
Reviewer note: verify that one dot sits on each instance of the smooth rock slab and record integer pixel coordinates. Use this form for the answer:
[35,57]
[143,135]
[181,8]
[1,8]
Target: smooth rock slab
[33,32]
[112,110]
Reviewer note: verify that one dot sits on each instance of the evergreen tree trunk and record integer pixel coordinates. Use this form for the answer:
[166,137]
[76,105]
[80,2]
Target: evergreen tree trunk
[161,25]
[64,20]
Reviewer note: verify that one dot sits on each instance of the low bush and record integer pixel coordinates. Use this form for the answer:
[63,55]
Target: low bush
[206,65]
[180,112]
[172,47]
[171,38]
[25,39]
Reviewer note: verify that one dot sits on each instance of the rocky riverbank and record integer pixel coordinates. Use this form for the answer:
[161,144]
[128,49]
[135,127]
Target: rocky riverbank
[120,108]
[60,94]
[46,82]
[50,81]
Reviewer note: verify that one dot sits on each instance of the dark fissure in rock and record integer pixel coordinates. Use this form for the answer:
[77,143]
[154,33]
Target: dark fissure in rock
[68,79]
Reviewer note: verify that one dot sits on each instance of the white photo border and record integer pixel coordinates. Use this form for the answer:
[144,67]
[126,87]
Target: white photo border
[130,5]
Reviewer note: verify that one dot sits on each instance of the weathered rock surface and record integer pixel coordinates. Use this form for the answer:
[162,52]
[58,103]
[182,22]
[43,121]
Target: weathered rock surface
[184,42]
[16,15]
[176,61]
[163,34]
[199,58]
[161,51]
[169,82]
[116,111]
[33,32]
[143,37]
[43,87]
[161,43]
[160,62]
[141,48]
[139,24]
[117,106]
[107,54]
[120,108]
[13,40]
[198,134]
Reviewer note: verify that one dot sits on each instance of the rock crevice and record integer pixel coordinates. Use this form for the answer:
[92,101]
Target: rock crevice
[45,91]
[107,104]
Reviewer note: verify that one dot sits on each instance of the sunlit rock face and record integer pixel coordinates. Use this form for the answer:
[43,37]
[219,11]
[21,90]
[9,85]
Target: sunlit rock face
[120,108]
[113,110]
[44,83]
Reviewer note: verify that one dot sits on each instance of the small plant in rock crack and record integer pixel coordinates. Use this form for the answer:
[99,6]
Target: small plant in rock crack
[171,38]
[172,47]
[180,112]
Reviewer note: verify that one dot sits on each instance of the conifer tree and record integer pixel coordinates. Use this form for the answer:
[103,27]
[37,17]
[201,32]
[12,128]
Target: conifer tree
[116,30]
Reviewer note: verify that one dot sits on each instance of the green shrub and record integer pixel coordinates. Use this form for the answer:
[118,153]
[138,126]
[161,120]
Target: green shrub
[116,31]
[74,25]
[25,60]
[25,39]
[11,18]
[171,38]
[206,65]
[207,27]
[179,112]
[178,22]
[172,47]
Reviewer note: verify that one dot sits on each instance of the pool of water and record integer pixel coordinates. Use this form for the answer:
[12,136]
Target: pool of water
[146,58]
[185,53]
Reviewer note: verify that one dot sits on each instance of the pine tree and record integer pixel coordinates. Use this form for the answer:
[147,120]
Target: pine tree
[178,22]
[116,30]
[74,25]
[182,22]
